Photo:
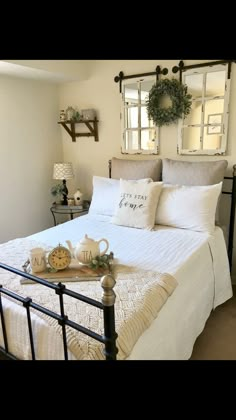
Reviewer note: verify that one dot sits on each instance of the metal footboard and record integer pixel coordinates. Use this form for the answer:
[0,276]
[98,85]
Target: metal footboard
[106,305]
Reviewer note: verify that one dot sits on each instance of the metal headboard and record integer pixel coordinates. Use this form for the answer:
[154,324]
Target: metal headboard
[232,214]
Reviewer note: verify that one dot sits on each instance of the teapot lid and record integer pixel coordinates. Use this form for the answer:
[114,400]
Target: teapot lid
[86,240]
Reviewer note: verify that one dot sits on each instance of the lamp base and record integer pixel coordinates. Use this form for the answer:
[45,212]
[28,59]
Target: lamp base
[64,201]
[64,192]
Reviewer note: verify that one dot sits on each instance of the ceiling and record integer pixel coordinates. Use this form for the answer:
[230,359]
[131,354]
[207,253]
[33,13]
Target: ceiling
[54,71]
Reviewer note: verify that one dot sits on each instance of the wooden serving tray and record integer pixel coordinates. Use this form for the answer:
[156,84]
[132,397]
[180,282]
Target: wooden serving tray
[71,274]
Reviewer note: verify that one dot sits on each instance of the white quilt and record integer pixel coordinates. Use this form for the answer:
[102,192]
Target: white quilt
[197,261]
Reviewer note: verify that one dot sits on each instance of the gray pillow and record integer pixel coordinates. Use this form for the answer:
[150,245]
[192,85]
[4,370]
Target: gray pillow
[136,169]
[193,173]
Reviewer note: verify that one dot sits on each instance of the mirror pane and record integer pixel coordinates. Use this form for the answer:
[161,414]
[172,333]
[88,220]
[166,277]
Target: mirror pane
[138,131]
[148,139]
[131,117]
[131,94]
[205,129]
[131,140]
[145,87]
[145,122]
[211,140]
[215,83]
[195,84]
[214,107]
[195,115]
[191,138]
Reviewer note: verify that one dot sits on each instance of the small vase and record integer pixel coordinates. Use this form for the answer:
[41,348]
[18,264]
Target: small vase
[70,113]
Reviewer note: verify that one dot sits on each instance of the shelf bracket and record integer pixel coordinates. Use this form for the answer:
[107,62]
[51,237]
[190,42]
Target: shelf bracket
[92,125]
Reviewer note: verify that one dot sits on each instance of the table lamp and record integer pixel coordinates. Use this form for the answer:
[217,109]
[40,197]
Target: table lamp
[63,171]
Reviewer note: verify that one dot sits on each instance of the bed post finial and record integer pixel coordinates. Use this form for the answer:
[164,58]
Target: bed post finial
[108,296]
[108,300]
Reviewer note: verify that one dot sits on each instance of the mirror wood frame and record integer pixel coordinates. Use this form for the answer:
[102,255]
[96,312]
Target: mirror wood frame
[205,69]
[126,130]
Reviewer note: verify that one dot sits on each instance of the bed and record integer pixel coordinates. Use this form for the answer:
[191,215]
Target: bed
[196,262]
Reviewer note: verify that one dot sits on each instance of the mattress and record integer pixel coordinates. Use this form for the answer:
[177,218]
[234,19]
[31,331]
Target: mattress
[198,262]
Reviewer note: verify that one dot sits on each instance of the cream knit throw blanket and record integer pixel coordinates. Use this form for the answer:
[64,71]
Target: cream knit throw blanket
[139,297]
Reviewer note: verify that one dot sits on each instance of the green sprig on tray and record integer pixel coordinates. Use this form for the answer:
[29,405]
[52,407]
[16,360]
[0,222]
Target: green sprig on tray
[103,261]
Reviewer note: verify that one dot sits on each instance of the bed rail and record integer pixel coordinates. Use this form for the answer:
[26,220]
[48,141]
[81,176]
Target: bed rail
[106,305]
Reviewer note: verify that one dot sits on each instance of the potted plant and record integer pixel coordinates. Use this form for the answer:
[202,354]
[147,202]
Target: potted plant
[57,190]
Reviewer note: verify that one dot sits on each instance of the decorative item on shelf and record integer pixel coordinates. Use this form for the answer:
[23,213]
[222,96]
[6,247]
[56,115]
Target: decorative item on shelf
[168,101]
[70,113]
[76,116]
[88,114]
[78,197]
[62,115]
[63,171]
[87,249]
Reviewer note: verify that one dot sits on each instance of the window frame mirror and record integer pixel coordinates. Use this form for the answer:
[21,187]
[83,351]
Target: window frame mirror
[139,135]
[207,123]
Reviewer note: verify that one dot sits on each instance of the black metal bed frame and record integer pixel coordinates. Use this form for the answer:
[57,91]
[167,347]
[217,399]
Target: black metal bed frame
[106,305]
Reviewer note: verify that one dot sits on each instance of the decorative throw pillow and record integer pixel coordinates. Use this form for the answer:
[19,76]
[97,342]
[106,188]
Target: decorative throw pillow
[188,207]
[137,204]
[136,169]
[106,194]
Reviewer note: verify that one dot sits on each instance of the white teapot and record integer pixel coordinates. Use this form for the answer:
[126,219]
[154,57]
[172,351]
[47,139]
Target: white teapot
[87,249]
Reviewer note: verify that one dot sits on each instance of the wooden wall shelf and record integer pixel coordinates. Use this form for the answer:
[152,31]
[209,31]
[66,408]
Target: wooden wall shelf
[92,125]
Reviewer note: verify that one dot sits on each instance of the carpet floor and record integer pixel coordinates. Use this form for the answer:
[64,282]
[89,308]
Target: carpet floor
[218,339]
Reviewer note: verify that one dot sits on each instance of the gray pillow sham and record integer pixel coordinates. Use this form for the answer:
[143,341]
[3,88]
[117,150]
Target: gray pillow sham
[136,169]
[193,173]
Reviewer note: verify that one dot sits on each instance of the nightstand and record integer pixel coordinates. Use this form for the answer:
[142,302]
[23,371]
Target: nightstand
[70,210]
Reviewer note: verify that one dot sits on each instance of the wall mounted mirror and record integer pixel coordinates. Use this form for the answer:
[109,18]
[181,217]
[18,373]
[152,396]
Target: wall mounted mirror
[204,131]
[138,134]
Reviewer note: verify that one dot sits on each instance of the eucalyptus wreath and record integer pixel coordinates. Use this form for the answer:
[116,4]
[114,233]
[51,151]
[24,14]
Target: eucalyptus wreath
[180,102]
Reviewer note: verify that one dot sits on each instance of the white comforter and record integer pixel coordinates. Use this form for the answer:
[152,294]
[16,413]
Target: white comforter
[197,261]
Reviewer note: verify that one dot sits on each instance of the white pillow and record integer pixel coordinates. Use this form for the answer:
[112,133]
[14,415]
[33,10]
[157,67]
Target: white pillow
[137,204]
[106,194]
[188,207]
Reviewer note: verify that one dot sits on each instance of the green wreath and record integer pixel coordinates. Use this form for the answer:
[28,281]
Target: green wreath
[173,91]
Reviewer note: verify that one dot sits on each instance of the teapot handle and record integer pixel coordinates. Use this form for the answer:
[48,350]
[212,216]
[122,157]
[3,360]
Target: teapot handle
[107,246]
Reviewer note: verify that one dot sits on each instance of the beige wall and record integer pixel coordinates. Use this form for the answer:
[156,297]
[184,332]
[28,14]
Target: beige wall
[100,91]
[29,143]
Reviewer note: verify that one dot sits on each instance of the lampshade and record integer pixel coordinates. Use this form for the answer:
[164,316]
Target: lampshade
[63,171]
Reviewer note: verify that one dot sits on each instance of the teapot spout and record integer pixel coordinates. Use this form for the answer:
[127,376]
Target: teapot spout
[70,248]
